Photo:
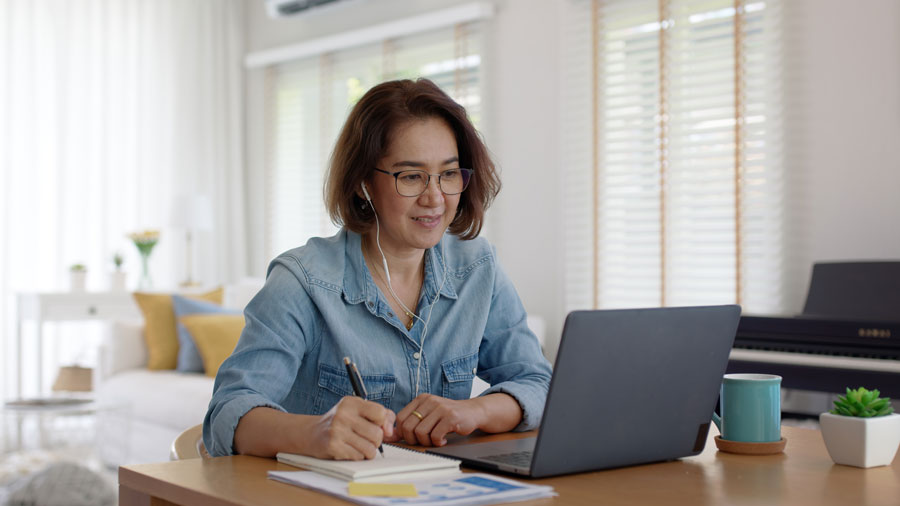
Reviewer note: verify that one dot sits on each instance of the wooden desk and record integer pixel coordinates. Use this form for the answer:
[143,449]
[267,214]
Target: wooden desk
[804,474]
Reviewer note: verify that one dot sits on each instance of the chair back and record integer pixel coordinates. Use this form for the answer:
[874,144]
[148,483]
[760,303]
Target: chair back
[189,445]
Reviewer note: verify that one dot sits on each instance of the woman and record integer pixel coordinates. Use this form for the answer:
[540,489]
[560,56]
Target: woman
[419,311]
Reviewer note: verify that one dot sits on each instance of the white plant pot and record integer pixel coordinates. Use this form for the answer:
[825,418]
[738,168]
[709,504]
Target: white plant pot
[117,281]
[861,442]
[77,280]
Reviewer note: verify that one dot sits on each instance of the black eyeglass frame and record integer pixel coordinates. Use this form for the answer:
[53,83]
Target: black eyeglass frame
[396,175]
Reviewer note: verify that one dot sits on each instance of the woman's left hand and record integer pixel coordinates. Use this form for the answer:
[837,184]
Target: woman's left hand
[429,418]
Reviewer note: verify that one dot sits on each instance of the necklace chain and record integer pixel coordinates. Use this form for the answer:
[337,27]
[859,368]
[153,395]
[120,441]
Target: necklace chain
[412,316]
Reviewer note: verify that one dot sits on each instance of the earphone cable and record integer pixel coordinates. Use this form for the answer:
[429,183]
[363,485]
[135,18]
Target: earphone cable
[387,273]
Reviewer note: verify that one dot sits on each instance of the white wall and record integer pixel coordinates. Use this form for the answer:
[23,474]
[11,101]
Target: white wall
[844,132]
[846,101]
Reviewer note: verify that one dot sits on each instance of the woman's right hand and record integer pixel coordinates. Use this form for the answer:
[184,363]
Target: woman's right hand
[351,430]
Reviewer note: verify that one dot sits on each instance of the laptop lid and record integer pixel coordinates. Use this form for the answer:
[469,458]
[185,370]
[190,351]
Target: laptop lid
[629,386]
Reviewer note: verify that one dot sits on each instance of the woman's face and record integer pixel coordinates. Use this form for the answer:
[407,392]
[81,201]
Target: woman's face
[409,223]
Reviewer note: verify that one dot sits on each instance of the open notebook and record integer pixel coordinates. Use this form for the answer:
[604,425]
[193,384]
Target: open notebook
[398,464]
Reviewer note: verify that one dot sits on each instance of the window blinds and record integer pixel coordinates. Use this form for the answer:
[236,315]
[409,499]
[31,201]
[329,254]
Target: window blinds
[309,99]
[672,143]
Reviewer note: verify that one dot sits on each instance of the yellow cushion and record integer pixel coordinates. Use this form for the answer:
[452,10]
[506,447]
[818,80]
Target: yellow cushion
[215,335]
[159,326]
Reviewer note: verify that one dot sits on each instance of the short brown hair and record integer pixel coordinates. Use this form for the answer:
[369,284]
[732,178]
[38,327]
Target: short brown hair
[364,140]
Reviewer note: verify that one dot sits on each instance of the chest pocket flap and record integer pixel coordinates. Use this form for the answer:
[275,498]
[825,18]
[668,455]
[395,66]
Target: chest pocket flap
[334,384]
[458,376]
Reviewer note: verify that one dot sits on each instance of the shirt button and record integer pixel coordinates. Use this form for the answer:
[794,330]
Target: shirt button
[390,314]
[370,305]
[474,370]
[416,355]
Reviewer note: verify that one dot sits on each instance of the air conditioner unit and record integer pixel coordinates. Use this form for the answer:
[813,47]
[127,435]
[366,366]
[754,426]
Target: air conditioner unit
[285,8]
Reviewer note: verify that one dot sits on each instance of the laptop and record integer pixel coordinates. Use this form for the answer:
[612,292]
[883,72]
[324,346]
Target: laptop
[630,386]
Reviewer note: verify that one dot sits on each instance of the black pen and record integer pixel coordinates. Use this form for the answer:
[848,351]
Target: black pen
[359,388]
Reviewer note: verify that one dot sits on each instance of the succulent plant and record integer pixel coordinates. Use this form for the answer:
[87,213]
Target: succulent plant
[78,268]
[862,403]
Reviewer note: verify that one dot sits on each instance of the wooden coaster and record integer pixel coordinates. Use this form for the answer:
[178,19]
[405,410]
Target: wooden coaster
[750,448]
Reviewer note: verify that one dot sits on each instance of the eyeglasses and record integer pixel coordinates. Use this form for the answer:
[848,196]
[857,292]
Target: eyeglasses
[412,183]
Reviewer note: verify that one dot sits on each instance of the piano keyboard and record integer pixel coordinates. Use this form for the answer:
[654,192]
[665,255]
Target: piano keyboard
[815,360]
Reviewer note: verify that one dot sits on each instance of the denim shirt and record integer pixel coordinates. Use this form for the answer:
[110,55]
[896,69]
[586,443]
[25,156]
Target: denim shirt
[320,304]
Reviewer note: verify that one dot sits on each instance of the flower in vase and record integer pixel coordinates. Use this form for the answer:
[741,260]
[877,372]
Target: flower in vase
[144,241]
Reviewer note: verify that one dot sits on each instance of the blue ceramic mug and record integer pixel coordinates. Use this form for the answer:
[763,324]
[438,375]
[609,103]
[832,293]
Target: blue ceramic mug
[751,408]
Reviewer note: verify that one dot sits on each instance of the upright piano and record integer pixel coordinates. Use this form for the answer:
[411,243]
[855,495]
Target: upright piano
[820,354]
[847,336]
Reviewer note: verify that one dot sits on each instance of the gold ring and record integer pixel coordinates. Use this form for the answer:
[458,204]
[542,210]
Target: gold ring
[418,415]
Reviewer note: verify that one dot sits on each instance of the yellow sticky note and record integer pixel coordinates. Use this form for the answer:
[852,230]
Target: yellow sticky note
[382,489]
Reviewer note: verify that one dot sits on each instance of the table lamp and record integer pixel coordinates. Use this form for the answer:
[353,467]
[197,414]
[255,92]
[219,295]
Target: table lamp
[193,213]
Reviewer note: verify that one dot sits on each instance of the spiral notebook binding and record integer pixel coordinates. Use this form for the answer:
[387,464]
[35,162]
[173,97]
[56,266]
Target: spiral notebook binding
[421,453]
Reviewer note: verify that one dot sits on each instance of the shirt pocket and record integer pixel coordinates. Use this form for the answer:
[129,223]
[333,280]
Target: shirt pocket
[458,375]
[334,384]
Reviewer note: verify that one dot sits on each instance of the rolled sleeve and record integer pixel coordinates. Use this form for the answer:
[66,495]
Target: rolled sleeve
[261,369]
[531,399]
[221,422]
[510,357]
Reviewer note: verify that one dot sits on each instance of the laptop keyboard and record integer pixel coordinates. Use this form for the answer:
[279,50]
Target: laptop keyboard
[521,459]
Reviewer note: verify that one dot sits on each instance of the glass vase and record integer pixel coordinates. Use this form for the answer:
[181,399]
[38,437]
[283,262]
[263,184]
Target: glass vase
[145,283]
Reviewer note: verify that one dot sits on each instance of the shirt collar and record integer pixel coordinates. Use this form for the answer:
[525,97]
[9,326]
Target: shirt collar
[435,272]
[358,283]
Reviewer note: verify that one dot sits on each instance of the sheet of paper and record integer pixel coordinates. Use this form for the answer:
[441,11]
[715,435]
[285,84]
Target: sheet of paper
[457,490]
[382,489]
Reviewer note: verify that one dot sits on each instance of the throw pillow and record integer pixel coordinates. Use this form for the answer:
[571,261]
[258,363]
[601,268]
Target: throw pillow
[159,326]
[215,335]
[188,357]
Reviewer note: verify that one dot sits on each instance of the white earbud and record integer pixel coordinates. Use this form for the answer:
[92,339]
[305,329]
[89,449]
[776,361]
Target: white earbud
[365,192]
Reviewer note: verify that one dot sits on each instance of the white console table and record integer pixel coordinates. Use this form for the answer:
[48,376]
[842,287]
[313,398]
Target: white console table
[65,306]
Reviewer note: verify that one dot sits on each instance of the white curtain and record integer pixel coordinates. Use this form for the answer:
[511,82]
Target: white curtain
[109,111]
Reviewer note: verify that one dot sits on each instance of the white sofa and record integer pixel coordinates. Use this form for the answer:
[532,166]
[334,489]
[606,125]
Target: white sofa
[159,405]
